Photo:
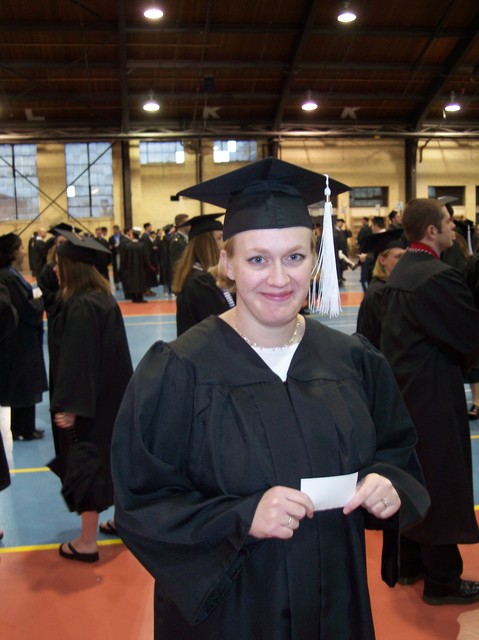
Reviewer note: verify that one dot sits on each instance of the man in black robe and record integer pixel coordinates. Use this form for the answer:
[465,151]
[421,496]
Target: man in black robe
[430,335]
[135,266]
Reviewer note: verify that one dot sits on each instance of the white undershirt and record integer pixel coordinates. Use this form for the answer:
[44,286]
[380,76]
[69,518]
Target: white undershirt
[278,360]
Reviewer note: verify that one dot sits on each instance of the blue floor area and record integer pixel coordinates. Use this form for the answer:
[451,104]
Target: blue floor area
[32,511]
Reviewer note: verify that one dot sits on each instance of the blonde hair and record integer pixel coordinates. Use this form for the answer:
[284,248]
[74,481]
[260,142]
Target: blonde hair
[203,249]
[79,277]
[379,272]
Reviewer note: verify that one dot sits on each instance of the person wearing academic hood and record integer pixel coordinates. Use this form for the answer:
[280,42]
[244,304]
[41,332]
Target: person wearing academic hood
[23,376]
[90,369]
[218,429]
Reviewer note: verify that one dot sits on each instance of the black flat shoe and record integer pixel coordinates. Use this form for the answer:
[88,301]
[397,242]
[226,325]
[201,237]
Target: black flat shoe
[466,593]
[35,435]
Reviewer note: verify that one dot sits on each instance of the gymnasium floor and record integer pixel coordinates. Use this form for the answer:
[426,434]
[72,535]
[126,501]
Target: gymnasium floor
[45,597]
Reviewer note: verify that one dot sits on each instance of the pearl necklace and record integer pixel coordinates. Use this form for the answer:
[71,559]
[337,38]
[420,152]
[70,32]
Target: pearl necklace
[257,346]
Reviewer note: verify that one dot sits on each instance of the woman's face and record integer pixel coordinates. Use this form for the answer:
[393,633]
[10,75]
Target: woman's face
[271,269]
[18,257]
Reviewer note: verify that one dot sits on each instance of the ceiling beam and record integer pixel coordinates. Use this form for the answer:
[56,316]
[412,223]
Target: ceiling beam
[451,65]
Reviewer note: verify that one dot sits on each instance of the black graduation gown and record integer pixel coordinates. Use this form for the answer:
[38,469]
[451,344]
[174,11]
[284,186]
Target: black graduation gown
[8,322]
[23,378]
[369,314]
[48,283]
[134,267]
[205,428]
[199,299]
[430,336]
[90,367]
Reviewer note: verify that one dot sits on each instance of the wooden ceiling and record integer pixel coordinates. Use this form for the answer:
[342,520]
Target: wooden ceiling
[231,68]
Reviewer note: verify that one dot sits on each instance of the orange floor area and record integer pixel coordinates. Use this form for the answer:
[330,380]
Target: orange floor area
[45,598]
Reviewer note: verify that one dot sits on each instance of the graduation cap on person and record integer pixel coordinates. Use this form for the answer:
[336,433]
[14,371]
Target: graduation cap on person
[204,223]
[58,229]
[81,249]
[376,243]
[268,194]
[447,202]
[273,194]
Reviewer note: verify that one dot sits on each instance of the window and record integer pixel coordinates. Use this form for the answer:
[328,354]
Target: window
[89,174]
[235,151]
[162,152]
[18,182]
[453,192]
[369,197]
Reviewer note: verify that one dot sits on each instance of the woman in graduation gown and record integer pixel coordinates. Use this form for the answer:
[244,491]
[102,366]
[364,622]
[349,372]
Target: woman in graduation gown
[23,377]
[90,368]
[217,429]
[198,296]
[387,248]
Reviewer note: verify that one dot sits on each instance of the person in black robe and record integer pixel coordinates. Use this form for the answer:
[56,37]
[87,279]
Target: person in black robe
[23,376]
[135,267]
[90,367]
[430,336]
[38,252]
[217,429]
[8,323]
[387,248]
[151,272]
[198,296]
[103,257]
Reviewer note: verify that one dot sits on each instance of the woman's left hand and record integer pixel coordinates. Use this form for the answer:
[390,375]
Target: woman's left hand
[377,495]
[64,420]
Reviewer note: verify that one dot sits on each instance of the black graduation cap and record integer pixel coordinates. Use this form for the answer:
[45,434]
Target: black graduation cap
[204,223]
[8,242]
[268,194]
[81,249]
[447,202]
[376,243]
[58,229]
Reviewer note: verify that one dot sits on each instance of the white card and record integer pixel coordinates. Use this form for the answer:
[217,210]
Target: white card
[332,492]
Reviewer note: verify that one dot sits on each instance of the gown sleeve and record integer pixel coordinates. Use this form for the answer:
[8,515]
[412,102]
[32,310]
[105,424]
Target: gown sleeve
[192,544]
[78,372]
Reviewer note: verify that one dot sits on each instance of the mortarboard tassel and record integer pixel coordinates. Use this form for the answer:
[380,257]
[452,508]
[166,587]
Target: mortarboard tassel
[324,295]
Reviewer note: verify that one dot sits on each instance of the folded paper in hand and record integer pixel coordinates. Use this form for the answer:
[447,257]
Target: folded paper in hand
[332,492]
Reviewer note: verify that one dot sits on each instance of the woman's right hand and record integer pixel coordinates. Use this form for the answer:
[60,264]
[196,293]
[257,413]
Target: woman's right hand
[279,513]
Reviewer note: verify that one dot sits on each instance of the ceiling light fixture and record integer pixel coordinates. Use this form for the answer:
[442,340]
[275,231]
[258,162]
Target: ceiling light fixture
[154,12]
[347,14]
[309,104]
[453,104]
[152,103]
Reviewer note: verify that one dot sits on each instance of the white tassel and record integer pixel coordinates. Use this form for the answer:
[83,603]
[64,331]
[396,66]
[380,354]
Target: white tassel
[324,295]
